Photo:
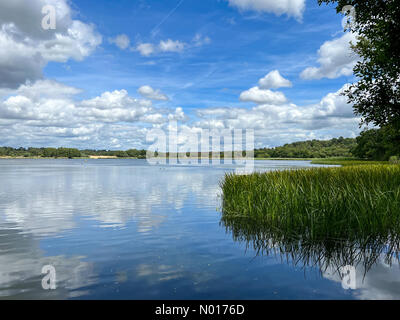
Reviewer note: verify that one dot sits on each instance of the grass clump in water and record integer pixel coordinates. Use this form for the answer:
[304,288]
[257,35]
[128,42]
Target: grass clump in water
[351,203]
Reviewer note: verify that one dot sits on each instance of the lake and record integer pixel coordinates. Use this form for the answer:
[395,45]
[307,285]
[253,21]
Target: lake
[123,229]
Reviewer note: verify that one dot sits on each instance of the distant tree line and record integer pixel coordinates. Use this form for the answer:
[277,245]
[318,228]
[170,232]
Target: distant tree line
[131,153]
[40,152]
[68,153]
[337,147]
[373,144]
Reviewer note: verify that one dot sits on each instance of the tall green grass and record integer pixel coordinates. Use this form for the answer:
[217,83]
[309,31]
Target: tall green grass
[322,203]
[323,216]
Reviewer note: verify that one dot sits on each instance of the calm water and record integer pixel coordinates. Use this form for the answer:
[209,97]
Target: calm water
[121,229]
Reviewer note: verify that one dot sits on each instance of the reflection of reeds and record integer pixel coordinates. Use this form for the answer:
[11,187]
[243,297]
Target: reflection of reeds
[325,216]
[303,252]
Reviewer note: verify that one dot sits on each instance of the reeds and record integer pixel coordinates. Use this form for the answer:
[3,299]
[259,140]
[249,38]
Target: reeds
[321,203]
[323,216]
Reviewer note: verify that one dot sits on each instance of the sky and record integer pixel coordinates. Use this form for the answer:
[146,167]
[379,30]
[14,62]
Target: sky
[111,71]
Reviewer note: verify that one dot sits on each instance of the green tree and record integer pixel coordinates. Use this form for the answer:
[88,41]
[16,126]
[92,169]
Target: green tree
[377,144]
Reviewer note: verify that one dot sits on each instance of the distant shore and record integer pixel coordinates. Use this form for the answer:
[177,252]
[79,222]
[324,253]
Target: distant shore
[321,161]
[65,158]
[115,157]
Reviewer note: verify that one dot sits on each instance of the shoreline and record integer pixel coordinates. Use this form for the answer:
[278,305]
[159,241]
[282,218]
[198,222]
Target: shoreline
[65,158]
[321,161]
[116,158]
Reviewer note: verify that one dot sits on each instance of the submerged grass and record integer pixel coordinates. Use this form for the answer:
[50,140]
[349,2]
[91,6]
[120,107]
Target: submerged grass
[311,205]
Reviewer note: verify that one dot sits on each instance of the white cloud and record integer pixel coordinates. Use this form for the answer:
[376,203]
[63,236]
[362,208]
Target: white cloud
[293,8]
[145,49]
[171,46]
[178,115]
[122,41]
[45,103]
[26,48]
[79,42]
[117,99]
[118,106]
[152,94]
[262,96]
[334,105]
[276,124]
[274,80]
[336,59]
[47,88]
[48,111]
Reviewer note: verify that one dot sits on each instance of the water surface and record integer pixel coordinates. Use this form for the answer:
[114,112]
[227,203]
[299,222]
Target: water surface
[122,229]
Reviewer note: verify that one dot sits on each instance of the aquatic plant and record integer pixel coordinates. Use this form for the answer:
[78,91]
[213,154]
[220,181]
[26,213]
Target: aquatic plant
[320,203]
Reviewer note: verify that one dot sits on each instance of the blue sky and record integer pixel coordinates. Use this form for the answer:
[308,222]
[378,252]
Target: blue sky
[201,56]
[244,47]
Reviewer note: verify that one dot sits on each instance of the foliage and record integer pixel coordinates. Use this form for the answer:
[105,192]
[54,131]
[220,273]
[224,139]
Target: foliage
[40,152]
[131,153]
[67,153]
[378,144]
[394,160]
[340,147]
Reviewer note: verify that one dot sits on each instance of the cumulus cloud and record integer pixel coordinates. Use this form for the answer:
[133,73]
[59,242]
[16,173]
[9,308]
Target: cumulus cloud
[152,94]
[118,106]
[293,8]
[47,111]
[145,49]
[334,105]
[262,96]
[118,99]
[26,48]
[47,88]
[274,80]
[171,46]
[45,102]
[122,41]
[178,115]
[276,124]
[336,59]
